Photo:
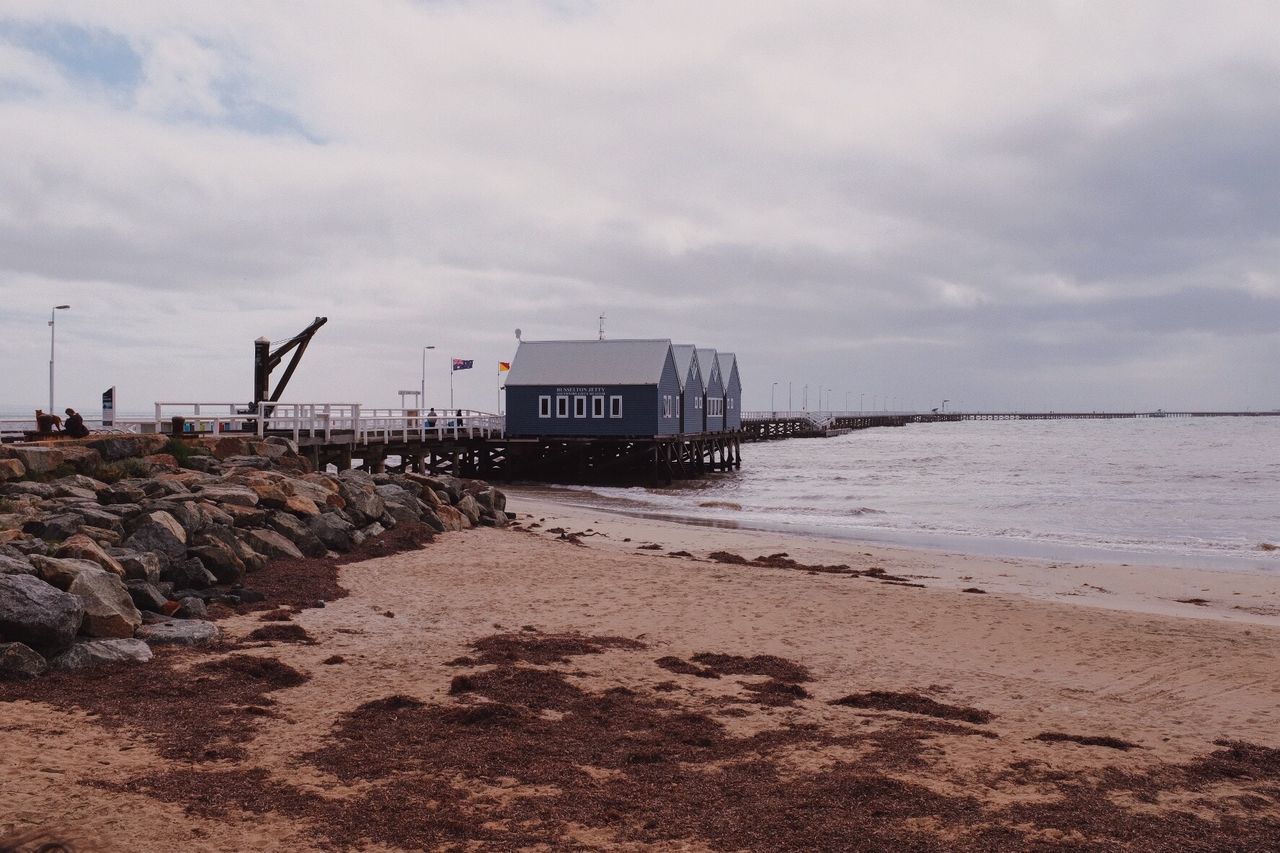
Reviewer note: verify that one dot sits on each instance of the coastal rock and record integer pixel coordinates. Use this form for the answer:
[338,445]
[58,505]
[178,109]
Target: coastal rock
[145,596]
[83,460]
[189,574]
[35,613]
[101,535]
[55,527]
[219,559]
[333,531]
[19,662]
[122,492]
[87,653]
[261,463]
[227,493]
[12,469]
[61,571]
[468,507]
[179,632]
[44,491]
[138,565]
[298,533]
[81,547]
[429,517]
[108,609]
[452,519]
[38,460]
[191,607]
[114,448]
[16,566]
[159,532]
[271,544]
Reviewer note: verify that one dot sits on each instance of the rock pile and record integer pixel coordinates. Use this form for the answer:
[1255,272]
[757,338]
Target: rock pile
[115,543]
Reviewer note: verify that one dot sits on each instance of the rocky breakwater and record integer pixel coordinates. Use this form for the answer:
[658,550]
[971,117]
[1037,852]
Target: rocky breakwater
[110,545]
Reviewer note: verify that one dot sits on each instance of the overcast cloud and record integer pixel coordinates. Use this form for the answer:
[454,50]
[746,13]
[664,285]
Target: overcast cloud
[1058,205]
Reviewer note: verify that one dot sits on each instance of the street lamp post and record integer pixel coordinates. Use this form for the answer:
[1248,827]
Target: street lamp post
[52,329]
[422,389]
[772,388]
[861,396]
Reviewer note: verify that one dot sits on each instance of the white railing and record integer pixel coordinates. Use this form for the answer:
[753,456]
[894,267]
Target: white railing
[370,424]
[204,418]
[18,427]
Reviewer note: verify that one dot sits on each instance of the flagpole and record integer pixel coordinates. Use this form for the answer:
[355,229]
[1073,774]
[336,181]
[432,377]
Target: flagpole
[452,370]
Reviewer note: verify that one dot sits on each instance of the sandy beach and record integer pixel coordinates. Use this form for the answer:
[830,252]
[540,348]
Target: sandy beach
[588,681]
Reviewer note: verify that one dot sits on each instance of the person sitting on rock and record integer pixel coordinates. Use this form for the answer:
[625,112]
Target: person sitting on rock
[75,424]
[45,424]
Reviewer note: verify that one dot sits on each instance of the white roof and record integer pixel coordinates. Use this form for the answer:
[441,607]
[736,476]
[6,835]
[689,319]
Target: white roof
[610,362]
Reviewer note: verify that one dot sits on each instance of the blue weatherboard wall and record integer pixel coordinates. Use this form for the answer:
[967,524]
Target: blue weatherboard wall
[641,409]
[691,406]
[733,389]
[714,389]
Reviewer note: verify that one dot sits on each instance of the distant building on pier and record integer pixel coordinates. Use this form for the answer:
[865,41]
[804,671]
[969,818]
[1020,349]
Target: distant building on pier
[691,387]
[712,391]
[728,364]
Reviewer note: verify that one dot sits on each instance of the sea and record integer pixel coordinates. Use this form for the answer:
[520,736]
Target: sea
[1197,492]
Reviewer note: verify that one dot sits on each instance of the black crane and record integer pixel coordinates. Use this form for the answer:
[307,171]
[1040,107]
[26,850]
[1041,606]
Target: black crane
[266,360]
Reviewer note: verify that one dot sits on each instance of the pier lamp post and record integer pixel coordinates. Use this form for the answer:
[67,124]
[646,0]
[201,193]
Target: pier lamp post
[772,388]
[422,389]
[52,329]
[846,401]
[861,396]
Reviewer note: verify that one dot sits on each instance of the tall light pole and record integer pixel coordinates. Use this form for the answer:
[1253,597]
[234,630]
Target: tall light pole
[772,388]
[861,397]
[52,329]
[846,400]
[422,393]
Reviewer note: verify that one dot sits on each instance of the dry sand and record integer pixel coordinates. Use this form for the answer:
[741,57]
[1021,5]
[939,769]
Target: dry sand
[637,741]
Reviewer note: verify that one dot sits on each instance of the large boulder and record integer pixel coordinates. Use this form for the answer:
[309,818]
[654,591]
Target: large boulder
[146,597]
[81,547]
[244,516]
[430,518]
[40,615]
[19,662]
[138,565]
[38,460]
[179,632]
[228,493]
[333,531]
[452,519]
[468,507]
[61,571]
[87,653]
[16,566]
[271,544]
[58,526]
[161,533]
[12,469]
[219,558]
[189,574]
[108,609]
[298,533]
[362,502]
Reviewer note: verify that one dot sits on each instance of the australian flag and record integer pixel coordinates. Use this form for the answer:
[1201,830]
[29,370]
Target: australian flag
[463,363]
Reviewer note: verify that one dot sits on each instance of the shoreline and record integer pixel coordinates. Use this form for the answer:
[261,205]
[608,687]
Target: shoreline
[1149,588]
[949,543]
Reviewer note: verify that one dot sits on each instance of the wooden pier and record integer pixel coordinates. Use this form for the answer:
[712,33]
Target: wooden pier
[771,426]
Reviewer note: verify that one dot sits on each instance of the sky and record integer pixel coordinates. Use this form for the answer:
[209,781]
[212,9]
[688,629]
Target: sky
[1050,205]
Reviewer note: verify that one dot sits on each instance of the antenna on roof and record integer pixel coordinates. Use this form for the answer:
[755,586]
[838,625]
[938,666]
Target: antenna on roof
[602,327]
[517,334]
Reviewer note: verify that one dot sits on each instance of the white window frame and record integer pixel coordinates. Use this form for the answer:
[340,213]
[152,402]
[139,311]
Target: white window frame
[615,406]
[597,406]
[666,405]
[579,406]
[562,407]
[544,406]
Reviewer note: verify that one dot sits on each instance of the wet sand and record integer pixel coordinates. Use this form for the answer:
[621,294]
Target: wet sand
[510,689]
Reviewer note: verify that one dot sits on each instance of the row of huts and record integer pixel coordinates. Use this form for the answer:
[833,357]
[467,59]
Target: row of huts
[634,388]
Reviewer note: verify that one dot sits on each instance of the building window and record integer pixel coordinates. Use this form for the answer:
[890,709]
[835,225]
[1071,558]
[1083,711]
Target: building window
[666,405]
[579,407]
[615,407]
[562,407]
[597,407]
[544,407]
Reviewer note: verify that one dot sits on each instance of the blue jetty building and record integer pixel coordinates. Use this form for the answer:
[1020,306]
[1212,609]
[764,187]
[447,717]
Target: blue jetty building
[691,388]
[590,389]
[728,365]
[712,391]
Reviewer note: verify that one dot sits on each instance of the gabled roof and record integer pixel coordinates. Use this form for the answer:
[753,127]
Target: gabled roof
[612,362]
[707,363]
[727,362]
[684,358]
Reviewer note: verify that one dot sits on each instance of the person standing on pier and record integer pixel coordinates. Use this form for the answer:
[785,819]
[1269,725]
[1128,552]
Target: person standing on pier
[431,418]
